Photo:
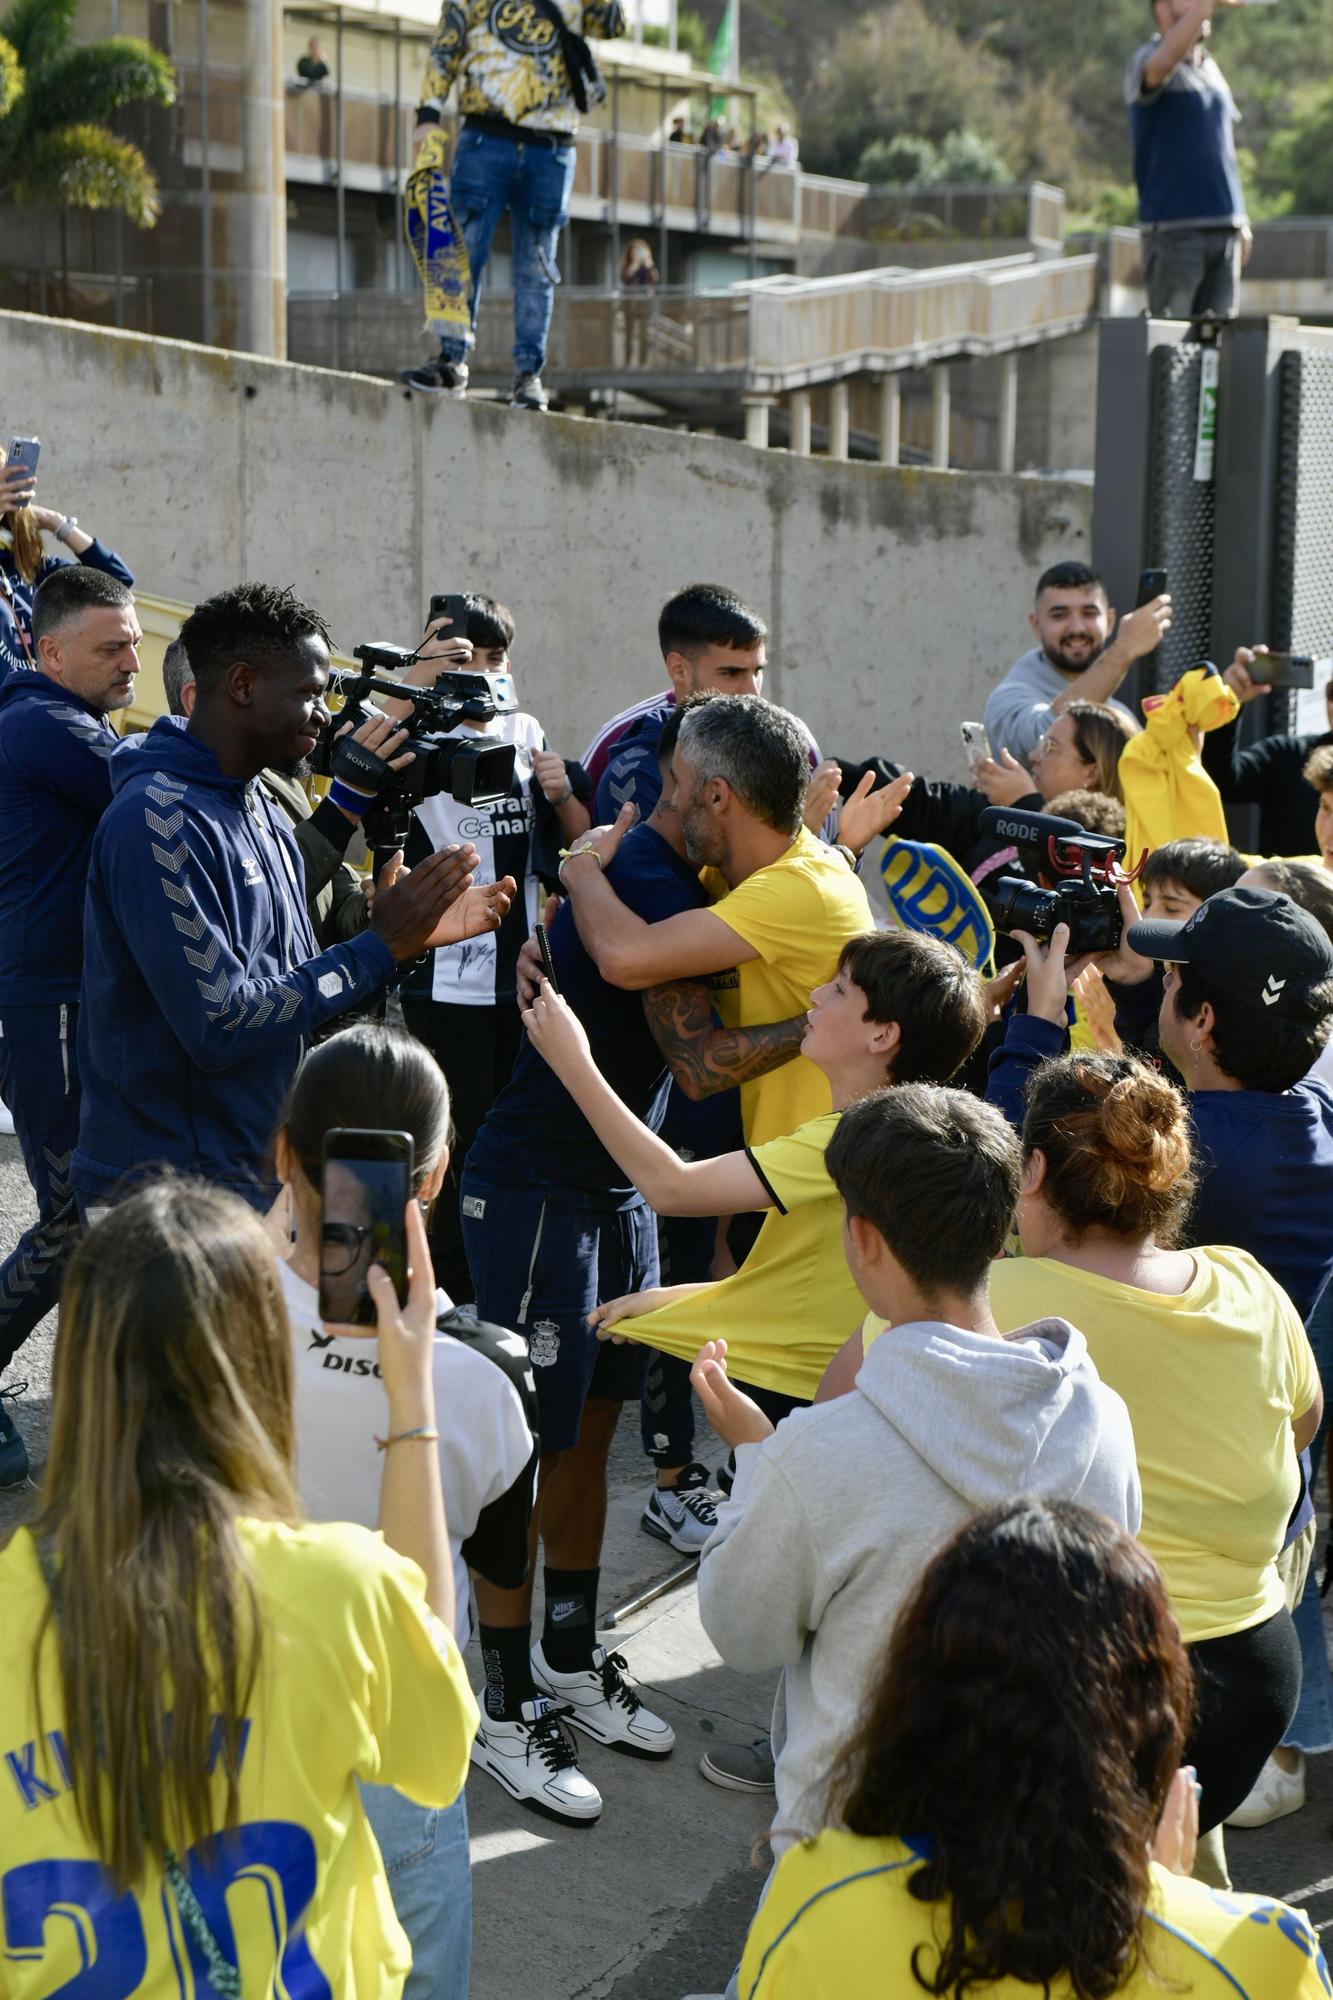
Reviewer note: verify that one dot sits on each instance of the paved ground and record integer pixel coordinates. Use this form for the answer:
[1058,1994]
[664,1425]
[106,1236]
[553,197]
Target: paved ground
[653,1902]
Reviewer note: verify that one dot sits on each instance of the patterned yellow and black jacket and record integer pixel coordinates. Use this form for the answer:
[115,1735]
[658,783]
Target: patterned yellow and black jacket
[506,57]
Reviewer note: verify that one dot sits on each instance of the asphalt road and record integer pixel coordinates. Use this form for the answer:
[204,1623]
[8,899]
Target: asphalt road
[653,1903]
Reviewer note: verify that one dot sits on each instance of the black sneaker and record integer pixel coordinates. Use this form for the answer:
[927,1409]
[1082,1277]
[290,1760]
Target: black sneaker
[13,1451]
[529,394]
[437,378]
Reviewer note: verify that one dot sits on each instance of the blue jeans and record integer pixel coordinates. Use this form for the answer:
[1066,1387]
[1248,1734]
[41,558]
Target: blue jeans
[490,175]
[426,1859]
[1311,1727]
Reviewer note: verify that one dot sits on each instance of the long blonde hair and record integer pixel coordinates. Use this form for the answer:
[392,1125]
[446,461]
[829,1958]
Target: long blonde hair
[25,540]
[173,1390]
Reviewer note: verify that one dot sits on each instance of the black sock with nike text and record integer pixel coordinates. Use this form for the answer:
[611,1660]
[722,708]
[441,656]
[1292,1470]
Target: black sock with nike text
[506,1655]
[570,1632]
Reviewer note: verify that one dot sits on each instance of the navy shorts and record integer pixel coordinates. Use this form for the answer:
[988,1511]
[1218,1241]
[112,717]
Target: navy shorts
[541,1258]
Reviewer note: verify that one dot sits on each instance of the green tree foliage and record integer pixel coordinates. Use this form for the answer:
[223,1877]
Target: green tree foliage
[966,157]
[1041,81]
[899,161]
[55,98]
[1300,163]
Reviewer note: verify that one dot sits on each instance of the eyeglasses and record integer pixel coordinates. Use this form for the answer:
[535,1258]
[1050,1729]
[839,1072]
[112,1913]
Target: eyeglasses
[340,1246]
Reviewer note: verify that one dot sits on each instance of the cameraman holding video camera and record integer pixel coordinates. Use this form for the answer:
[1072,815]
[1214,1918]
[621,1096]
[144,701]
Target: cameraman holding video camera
[462,1003]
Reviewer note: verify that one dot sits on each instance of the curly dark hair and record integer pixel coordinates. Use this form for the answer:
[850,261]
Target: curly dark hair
[255,621]
[1027,1724]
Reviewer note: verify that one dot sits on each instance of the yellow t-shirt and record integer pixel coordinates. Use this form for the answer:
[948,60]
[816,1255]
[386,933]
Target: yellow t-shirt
[839,1919]
[1212,1379]
[356,1677]
[789,1308]
[797,913]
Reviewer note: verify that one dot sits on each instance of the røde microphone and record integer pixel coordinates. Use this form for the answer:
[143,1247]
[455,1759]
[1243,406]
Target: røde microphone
[1005,823]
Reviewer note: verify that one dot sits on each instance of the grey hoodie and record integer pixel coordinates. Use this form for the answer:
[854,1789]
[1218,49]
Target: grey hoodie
[833,1518]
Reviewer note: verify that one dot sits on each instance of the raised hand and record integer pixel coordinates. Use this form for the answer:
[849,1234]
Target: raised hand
[869,812]
[1004,780]
[733,1415]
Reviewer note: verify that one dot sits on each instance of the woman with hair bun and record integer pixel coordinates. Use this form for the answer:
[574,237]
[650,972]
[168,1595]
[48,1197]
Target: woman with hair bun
[1012,1814]
[1213,1362]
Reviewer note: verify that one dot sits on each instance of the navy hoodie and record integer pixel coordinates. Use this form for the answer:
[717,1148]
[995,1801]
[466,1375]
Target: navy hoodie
[201,977]
[55,784]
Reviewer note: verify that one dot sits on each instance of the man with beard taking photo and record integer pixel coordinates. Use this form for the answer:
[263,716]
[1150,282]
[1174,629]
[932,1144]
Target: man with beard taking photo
[1075,658]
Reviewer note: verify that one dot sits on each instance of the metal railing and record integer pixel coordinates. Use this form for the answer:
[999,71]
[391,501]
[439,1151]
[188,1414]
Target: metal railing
[781,333]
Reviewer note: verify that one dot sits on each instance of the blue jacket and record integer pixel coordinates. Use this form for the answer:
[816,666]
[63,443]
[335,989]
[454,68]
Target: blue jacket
[16,599]
[55,784]
[201,979]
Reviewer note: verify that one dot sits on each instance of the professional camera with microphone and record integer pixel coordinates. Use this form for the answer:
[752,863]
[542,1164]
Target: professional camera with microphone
[1087,900]
[471,770]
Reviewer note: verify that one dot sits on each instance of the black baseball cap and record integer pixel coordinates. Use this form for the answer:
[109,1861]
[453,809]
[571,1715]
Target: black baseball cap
[1254,945]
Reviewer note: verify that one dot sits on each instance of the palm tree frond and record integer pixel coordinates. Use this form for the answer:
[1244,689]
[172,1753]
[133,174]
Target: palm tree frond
[85,166]
[11,77]
[92,82]
[40,30]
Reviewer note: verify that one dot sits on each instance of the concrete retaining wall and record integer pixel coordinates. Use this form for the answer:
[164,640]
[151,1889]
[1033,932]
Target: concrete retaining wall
[895,598]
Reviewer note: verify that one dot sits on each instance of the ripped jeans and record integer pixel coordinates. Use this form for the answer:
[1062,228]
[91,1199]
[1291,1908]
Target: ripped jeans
[490,175]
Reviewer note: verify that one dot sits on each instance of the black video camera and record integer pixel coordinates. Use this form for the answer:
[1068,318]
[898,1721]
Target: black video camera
[1088,902]
[471,770]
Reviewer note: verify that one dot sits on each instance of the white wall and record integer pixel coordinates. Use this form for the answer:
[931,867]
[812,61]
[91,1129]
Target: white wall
[894,598]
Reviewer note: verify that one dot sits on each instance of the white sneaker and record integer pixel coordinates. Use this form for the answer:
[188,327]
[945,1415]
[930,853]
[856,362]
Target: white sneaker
[1273,1795]
[599,1701]
[536,1763]
[684,1514]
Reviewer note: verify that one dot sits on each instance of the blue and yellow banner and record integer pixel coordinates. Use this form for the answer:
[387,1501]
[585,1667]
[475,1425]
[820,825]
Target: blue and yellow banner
[928,891]
[438,250]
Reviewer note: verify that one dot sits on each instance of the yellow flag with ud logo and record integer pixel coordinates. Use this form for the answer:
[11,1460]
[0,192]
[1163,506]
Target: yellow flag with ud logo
[928,891]
[438,250]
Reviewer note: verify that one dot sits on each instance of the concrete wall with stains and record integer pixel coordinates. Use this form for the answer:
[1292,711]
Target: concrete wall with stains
[894,598]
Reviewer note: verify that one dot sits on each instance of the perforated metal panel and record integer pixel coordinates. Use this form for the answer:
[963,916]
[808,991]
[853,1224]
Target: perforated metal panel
[1303,516]
[1180,511]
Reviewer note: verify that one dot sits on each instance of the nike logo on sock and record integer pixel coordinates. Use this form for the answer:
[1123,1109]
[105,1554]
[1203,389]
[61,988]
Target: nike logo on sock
[567,1613]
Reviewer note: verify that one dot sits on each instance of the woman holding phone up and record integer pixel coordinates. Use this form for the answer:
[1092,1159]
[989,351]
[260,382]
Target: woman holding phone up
[380,1080]
[191,1676]
[24,564]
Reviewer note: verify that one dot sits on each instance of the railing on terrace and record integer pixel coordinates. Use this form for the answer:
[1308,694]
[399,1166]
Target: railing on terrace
[781,333]
[644,174]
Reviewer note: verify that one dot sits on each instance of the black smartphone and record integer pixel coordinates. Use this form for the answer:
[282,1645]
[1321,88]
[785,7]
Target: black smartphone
[1283,670]
[450,604]
[1152,583]
[367,1184]
[548,963]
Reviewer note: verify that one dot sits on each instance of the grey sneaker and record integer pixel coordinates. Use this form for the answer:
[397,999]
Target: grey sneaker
[529,393]
[740,1767]
[685,1514]
[437,378]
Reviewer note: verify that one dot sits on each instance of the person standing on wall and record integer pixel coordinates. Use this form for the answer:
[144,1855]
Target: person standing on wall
[523,73]
[1182,120]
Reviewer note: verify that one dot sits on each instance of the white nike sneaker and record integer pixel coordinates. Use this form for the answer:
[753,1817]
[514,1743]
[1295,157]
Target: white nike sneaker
[536,1763]
[599,1701]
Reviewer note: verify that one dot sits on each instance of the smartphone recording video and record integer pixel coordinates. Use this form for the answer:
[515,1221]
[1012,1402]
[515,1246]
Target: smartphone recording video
[367,1184]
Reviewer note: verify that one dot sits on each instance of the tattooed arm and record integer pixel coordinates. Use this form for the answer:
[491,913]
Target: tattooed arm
[705,1058]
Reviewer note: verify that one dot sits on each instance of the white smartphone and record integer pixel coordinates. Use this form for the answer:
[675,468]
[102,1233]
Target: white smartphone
[976,743]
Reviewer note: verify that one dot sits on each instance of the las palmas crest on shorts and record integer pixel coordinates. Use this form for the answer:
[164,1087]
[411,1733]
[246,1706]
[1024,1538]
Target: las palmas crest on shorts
[544,1343]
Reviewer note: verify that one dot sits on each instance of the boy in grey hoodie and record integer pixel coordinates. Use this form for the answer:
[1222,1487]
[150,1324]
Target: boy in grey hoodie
[834,1514]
